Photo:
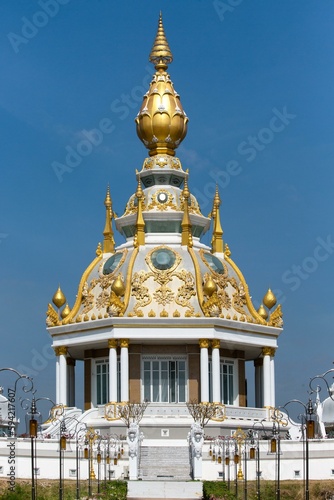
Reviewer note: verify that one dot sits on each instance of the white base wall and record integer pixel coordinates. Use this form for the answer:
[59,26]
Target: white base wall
[292,461]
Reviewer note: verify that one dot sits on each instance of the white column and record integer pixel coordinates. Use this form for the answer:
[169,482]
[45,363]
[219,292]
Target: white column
[124,343]
[272,378]
[266,351]
[112,344]
[216,397]
[204,344]
[258,365]
[57,377]
[62,353]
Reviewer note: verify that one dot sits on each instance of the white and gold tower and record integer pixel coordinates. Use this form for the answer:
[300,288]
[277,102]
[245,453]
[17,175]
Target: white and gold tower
[164,317]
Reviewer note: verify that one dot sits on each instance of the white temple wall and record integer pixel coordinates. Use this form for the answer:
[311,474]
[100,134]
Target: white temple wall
[292,461]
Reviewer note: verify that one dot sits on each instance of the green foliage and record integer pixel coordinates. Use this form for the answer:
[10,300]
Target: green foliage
[216,490]
[20,493]
[49,490]
[117,490]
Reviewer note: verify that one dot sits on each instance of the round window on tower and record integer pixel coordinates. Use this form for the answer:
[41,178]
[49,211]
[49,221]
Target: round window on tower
[214,263]
[162,197]
[112,263]
[163,259]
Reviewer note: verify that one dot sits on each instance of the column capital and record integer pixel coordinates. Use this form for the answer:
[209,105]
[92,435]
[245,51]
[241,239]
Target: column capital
[124,342]
[61,350]
[112,343]
[204,343]
[215,344]
[268,351]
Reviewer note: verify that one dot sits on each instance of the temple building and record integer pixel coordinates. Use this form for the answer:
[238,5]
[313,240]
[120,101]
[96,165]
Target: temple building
[163,317]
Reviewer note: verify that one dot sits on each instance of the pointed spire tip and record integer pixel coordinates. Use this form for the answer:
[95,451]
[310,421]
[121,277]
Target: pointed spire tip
[161,54]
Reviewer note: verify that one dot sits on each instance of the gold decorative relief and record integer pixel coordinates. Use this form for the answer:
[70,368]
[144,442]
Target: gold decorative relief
[163,295]
[162,200]
[211,306]
[193,206]
[161,161]
[102,300]
[148,164]
[116,305]
[87,299]
[132,205]
[239,299]
[138,290]
[186,291]
[276,318]
[52,318]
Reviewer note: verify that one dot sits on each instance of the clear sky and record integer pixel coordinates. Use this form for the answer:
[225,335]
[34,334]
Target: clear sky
[256,80]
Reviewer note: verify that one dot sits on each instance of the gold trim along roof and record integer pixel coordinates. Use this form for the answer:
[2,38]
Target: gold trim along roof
[166,282]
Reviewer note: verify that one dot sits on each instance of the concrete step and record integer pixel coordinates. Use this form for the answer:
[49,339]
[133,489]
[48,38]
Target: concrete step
[164,463]
[171,490]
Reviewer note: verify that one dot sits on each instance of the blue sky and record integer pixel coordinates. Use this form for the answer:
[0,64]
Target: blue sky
[237,65]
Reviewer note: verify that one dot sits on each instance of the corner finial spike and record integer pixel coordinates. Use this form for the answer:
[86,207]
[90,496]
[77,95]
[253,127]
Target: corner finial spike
[140,223]
[217,237]
[109,242]
[107,201]
[161,54]
[186,236]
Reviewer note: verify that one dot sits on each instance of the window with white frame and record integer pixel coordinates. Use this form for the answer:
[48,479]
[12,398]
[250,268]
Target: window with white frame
[227,374]
[226,382]
[164,379]
[102,381]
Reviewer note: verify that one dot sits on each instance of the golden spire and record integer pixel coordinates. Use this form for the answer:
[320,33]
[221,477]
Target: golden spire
[262,312]
[269,299]
[109,242]
[161,121]
[186,224]
[140,223]
[59,298]
[66,311]
[217,239]
[161,54]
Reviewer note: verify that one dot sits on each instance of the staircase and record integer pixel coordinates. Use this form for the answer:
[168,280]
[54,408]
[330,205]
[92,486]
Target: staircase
[164,463]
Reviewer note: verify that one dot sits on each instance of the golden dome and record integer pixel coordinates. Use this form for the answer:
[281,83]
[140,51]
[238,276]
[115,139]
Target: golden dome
[59,298]
[262,312]
[66,311]
[161,121]
[269,299]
